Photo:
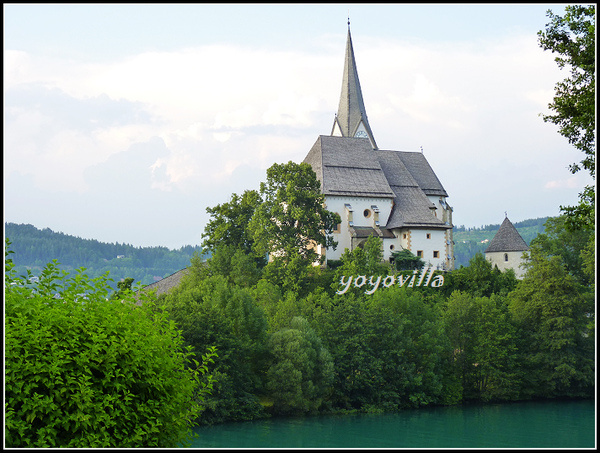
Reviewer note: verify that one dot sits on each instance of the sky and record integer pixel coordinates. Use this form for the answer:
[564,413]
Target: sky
[123,123]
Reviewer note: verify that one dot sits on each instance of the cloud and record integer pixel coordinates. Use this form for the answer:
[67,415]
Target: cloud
[178,131]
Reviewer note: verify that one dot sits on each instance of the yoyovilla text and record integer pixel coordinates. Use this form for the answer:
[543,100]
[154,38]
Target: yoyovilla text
[390,280]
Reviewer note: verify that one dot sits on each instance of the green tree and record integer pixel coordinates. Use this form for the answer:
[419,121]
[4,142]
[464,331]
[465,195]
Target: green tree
[572,37]
[405,260]
[485,346]
[412,348]
[229,222]
[85,371]
[554,314]
[213,312]
[292,220]
[561,240]
[301,373]
[479,278]
[123,287]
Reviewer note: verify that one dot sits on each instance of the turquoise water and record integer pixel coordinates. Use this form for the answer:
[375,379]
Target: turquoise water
[559,424]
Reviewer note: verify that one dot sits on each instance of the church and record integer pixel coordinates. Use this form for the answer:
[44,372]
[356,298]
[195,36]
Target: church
[394,195]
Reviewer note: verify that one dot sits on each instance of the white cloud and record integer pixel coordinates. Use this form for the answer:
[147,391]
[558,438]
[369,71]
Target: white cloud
[226,113]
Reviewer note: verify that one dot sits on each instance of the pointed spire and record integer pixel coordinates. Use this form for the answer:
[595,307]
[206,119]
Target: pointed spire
[351,119]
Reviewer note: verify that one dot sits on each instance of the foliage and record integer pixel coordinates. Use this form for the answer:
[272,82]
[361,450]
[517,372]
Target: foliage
[292,221]
[366,260]
[405,260]
[480,279]
[85,371]
[561,240]
[483,339]
[555,315]
[229,222]
[572,37]
[301,372]
[211,311]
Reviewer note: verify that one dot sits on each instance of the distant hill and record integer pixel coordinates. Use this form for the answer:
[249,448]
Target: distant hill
[34,248]
[469,241]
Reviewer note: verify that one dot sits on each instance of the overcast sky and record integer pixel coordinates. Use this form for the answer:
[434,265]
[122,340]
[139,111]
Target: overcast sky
[123,123]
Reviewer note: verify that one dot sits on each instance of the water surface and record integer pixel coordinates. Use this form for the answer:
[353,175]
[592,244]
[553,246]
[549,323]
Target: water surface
[556,424]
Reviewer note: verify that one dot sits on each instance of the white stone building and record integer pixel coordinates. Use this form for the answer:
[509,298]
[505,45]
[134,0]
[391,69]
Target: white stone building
[506,249]
[394,195]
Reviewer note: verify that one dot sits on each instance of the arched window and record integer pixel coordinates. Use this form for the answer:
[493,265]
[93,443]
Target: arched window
[506,257]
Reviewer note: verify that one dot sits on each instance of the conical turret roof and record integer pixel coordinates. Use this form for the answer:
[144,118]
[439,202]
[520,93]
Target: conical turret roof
[507,239]
[351,119]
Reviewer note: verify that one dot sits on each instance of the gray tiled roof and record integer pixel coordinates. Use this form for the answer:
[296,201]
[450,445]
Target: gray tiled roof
[166,284]
[348,166]
[351,167]
[419,168]
[412,209]
[507,239]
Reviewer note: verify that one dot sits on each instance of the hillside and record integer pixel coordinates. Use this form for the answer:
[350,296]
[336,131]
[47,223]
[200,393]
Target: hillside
[469,241]
[33,248]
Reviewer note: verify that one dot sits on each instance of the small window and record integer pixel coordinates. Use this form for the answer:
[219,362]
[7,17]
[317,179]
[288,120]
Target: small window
[392,247]
[506,257]
[367,213]
[436,254]
[428,236]
[338,227]
[404,236]
[420,253]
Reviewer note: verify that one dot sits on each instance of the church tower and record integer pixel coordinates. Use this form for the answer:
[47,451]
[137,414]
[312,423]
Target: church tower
[351,119]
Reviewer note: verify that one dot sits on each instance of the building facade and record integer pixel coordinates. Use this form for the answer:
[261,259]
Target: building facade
[394,195]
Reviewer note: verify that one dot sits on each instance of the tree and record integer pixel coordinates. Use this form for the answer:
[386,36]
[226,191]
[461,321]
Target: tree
[572,37]
[301,373]
[554,314]
[86,371]
[405,260]
[485,346]
[229,222]
[292,220]
[567,243]
[213,312]
[479,278]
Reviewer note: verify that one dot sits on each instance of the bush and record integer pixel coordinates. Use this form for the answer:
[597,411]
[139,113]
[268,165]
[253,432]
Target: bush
[86,371]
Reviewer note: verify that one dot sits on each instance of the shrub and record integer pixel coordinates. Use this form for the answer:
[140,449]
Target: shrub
[86,371]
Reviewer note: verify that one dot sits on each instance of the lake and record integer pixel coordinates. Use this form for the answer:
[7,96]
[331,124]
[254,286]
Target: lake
[552,424]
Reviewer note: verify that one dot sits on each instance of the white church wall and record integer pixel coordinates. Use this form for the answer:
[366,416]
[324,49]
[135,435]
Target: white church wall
[430,246]
[512,260]
[363,215]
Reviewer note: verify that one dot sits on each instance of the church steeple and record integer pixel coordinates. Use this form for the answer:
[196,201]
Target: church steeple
[351,119]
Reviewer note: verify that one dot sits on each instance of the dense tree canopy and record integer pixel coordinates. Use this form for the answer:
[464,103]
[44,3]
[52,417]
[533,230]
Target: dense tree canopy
[292,220]
[86,371]
[573,38]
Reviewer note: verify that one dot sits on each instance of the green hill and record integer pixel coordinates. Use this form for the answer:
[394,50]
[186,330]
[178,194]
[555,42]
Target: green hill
[34,248]
[469,241]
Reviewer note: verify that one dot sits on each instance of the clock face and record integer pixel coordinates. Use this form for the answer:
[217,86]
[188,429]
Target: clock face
[361,134]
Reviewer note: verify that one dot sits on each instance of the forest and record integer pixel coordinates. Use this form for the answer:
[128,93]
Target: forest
[35,247]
